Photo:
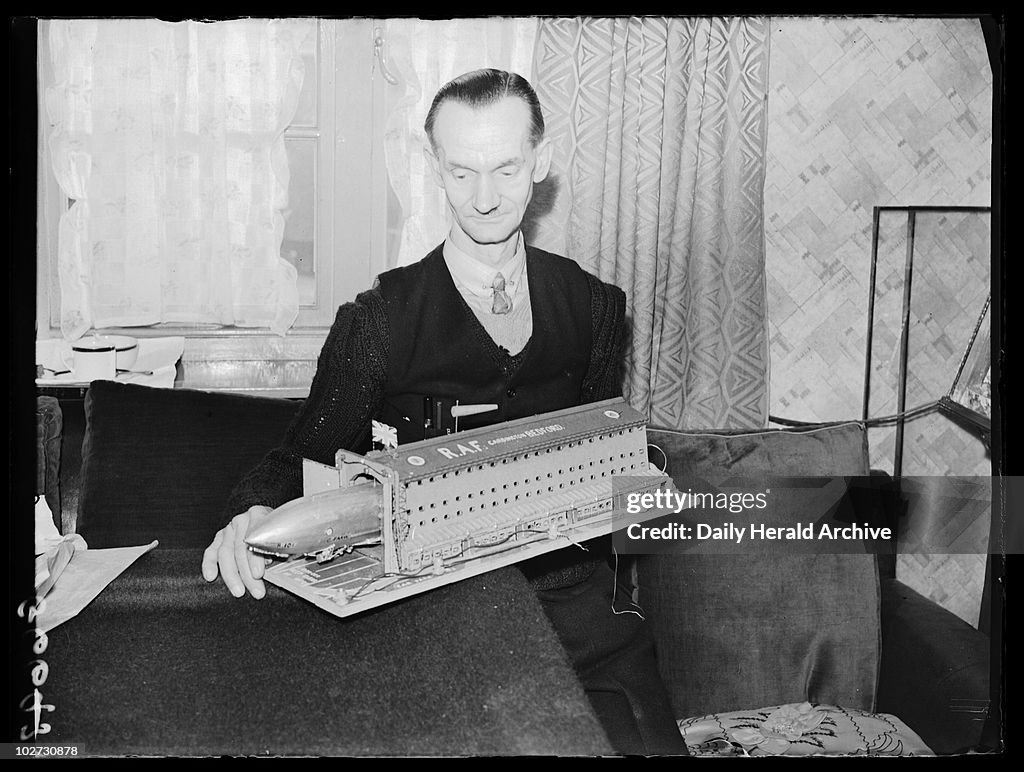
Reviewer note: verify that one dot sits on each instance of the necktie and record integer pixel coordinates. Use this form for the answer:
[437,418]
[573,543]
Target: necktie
[502,303]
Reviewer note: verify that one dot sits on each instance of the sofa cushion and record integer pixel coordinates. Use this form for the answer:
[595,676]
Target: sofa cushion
[160,463]
[737,631]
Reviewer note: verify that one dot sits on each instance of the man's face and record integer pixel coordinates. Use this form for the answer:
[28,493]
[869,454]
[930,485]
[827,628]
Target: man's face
[484,160]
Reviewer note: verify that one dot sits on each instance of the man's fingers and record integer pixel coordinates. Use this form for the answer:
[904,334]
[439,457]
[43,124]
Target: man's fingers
[228,567]
[210,558]
[257,565]
[229,556]
[243,559]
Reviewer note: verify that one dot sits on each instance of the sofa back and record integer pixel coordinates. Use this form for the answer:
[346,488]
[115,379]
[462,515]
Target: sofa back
[746,630]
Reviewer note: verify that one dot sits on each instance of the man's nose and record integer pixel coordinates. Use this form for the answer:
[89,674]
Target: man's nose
[485,197]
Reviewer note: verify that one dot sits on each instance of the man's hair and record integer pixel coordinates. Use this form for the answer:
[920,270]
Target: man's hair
[484,87]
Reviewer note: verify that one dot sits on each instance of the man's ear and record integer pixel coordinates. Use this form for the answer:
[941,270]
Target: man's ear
[543,155]
[435,164]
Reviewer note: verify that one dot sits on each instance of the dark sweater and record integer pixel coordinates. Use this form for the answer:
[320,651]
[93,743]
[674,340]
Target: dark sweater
[351,381]
[441,350]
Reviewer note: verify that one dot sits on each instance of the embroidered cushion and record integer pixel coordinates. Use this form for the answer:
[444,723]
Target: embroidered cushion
[801,729]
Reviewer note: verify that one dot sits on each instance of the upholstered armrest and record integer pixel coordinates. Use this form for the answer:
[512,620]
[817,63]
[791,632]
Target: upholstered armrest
[49,423]
[934,670]
[163,662]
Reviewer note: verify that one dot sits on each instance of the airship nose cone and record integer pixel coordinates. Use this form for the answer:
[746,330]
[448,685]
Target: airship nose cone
[266,534]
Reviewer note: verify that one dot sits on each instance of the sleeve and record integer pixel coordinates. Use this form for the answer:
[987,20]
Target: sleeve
[608,311]
[347,391]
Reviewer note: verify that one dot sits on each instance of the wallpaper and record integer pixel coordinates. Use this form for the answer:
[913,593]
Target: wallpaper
[865,112]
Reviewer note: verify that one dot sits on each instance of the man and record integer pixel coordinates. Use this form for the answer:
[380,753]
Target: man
[482,319]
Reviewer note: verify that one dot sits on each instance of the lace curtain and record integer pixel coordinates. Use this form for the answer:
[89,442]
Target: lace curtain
[424,55]
[168,138]
[659,128]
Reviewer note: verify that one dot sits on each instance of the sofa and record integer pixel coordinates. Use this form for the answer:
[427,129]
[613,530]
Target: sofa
[732,631]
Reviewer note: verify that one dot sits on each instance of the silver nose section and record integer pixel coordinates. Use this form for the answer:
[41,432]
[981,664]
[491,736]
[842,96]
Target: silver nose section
[310,524]
[270,534]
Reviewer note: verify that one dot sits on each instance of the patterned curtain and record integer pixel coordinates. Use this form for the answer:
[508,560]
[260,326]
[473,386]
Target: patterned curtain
[168,138]
[659,130]
[424,56]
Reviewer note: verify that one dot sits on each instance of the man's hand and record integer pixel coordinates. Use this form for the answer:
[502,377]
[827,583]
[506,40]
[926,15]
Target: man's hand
[229,556]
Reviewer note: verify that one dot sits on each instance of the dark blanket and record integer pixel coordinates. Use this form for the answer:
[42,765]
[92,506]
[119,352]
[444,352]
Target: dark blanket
[164,663]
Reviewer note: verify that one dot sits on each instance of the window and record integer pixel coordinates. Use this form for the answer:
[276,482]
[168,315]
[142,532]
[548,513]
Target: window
[336,230]
[337,190]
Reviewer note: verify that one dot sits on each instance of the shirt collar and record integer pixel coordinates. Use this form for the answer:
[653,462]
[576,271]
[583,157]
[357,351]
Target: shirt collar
[476,277]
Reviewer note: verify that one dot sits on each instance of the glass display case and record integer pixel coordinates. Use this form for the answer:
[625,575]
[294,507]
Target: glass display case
[969,400]
[927,355]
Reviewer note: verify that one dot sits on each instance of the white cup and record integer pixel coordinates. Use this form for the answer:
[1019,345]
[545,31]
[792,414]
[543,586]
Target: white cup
[92,359]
